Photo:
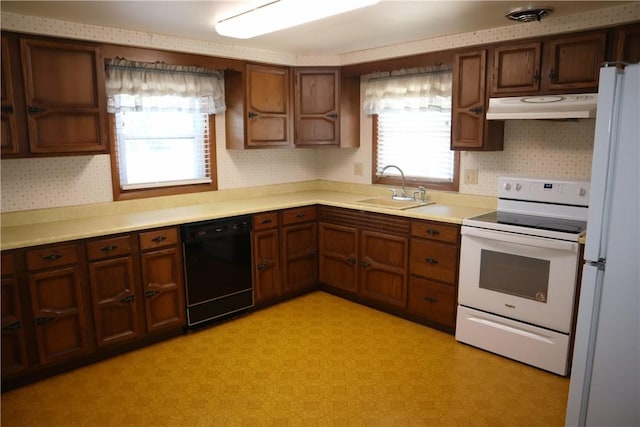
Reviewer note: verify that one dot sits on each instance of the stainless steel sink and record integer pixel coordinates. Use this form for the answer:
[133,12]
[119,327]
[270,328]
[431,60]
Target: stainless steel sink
[389,203]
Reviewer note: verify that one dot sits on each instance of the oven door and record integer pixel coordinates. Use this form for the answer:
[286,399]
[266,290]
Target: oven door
[527,278]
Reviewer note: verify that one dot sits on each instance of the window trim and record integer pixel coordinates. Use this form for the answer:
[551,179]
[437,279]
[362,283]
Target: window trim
[120,194]
[409,180]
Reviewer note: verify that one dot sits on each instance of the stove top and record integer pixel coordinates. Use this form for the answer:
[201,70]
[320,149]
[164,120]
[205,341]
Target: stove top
[534,221]
[538,207]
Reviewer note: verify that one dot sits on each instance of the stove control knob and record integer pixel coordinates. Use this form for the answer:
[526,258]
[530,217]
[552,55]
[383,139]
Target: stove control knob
[518,187]
[506,186]
[581,191]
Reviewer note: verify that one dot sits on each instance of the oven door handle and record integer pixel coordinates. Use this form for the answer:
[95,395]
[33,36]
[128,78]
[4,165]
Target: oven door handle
[519,239]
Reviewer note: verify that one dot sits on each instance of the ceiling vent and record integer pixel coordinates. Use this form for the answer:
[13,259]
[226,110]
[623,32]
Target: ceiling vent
[526,14]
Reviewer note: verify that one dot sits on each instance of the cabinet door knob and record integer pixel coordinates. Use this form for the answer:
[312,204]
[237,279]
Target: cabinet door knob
[51,257]
[35,110]
[477,109]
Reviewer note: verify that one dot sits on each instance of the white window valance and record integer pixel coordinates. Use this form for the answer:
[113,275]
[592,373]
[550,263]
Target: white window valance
[427,88]
[136,86]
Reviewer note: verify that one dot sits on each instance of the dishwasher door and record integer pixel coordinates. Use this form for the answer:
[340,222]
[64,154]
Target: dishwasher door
[218,273]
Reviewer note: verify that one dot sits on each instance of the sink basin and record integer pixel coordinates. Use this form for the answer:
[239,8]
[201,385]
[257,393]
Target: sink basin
[389,203]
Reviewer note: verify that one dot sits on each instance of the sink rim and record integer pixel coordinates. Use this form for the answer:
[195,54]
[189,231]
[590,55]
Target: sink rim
[390,203]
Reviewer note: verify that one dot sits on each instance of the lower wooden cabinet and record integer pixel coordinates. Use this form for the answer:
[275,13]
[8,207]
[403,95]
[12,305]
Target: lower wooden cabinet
[14,350]
[56,288]
[365,254]
[299,237]
[266,258]
[67,303]
[433,268]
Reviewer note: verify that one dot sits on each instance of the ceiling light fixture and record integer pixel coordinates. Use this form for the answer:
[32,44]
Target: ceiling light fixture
[281,14]
[528,14]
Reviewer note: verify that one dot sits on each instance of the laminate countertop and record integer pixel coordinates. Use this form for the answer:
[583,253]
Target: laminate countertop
[31,228]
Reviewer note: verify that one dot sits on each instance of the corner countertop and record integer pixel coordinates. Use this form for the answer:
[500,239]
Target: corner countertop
[46,226]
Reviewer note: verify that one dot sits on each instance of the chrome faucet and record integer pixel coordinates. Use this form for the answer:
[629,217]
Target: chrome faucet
[404,191]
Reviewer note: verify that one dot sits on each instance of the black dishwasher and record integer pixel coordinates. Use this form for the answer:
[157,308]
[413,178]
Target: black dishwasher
[217,263]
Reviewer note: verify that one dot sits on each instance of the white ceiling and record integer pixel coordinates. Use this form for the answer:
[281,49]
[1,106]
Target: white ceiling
[386,23]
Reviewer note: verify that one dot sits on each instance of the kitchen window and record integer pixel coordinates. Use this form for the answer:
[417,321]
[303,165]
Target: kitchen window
[411,112]
[162,128]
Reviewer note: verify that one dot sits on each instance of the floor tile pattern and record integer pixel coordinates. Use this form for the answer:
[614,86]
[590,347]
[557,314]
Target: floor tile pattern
[317,360]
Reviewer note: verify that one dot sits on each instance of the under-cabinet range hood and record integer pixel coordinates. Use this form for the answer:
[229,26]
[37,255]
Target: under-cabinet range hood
[570,106]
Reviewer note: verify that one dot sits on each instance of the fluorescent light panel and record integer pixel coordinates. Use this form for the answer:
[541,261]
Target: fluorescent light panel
[281,14]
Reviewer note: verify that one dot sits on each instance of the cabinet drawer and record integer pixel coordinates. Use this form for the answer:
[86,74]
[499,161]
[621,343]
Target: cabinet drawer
[433,301]
[433,260]
[297,215]
[8,264]
[53,256]
[158,238]
[109,247]
[435,231]
[265,220]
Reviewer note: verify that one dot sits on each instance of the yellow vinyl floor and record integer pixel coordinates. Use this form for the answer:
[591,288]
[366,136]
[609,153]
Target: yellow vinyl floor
[317,360]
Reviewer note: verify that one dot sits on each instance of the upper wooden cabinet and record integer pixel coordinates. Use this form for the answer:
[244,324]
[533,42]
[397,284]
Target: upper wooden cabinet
[317,108]
[272,106]
[558,65]
[469,129]
[626,44]
[63,103]
[9,131]
[258,107]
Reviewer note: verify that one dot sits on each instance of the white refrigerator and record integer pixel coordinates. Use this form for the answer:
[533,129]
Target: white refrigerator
[604,388]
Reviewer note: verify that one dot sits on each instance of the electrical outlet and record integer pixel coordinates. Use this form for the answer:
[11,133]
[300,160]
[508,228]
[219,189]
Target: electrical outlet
[357,169]
[471,176]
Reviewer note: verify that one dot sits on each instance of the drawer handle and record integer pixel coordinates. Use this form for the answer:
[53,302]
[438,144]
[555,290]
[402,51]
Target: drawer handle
[300,216]
[433,232]
[432,300]
[51,257]
[109,248]
[130,298]
[150,294]
[431,261]
[159,239]
[41,321]
[266,221]
[13,326]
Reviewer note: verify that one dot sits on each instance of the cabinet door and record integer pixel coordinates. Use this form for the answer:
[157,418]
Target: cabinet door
[65,97]
[163,288]
[14,351]
[516,69]
[339,256]
[266,268]
[115,303]
[300,256]
[59,312]
[383,267]
[317,107]
[573,63]
[268,120]
[627,47]
[469,129]
[9,130]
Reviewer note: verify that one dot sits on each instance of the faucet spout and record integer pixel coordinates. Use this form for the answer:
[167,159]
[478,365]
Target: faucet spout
[404,192]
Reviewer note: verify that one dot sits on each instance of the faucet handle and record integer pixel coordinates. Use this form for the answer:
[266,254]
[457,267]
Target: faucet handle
[394,192]
[423,193]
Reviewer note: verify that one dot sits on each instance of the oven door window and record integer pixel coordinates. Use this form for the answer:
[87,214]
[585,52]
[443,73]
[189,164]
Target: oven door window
[517,275]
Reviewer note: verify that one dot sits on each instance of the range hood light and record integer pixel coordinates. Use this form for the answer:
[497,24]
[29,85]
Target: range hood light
[280,14]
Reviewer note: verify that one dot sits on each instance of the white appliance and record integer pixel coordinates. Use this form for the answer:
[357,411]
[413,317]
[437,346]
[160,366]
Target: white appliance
[518,271]
[570,106]
[605,379]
